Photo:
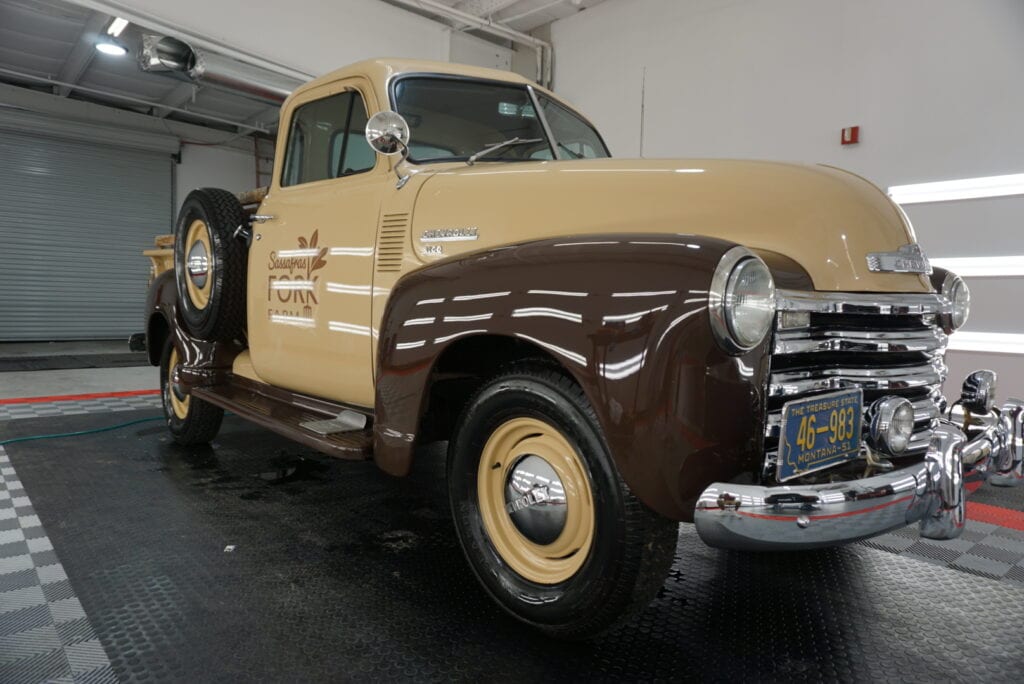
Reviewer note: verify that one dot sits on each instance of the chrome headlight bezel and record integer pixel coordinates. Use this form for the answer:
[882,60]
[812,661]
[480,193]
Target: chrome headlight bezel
[723,302]
[891,425]
[955,290]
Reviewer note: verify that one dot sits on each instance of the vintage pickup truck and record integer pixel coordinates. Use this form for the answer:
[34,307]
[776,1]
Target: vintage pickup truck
[608,346]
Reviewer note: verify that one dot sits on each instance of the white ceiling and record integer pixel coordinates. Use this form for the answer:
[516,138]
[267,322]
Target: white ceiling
[521,15]
[54,41]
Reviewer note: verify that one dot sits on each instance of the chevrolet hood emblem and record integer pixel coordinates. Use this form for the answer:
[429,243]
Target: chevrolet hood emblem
[906,259]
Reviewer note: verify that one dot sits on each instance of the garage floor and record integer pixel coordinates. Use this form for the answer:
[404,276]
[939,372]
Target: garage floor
[123,557]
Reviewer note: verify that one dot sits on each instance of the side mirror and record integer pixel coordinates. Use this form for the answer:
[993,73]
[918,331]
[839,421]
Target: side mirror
[388,133]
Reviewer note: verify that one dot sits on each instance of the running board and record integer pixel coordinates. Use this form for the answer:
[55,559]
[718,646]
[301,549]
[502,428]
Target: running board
[330,428]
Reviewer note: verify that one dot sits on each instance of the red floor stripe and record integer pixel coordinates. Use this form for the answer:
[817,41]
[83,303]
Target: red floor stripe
[1004,517]
[79,397]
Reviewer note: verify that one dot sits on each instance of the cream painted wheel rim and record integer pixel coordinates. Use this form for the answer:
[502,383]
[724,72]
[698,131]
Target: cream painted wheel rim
[511,443]
[178,399]
[198,264]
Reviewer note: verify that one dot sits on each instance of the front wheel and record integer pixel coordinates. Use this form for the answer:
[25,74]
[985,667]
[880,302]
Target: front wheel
[546,522]
[190,420]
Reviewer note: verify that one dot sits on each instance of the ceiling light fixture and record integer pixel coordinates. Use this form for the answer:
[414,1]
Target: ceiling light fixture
[116,26]
[109,47]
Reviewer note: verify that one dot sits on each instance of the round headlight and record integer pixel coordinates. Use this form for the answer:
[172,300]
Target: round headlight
[892,424]
[742,300]
[955,290]
[979,391]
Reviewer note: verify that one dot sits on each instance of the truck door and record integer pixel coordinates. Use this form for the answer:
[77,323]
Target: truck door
[311,264]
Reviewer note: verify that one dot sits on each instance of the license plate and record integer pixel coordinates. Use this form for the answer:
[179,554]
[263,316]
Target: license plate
[819,432]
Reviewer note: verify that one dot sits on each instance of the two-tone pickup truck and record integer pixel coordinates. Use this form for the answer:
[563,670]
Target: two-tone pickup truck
[608,346]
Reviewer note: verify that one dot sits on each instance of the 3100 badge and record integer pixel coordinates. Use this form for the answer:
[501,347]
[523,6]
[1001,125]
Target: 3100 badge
[819,432]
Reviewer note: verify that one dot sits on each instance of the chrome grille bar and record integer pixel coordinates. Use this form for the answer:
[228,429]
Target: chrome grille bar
[788,384]
[862,303]
[808,341]
[882,343]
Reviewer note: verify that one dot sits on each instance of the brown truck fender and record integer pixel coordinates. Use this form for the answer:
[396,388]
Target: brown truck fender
[625,315]
[203,363]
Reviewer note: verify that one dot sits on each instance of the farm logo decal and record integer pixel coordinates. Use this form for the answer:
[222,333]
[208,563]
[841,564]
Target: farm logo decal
[291,286]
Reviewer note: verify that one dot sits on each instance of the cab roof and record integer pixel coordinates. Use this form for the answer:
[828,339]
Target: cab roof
[380,70]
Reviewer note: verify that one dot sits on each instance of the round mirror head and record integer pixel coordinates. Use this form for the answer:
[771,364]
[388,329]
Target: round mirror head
[387,132]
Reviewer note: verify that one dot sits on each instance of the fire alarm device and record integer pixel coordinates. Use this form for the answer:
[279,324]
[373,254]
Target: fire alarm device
[851,135]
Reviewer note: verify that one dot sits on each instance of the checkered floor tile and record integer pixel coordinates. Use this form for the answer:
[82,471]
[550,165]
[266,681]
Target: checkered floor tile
[983,549]
[45,635]
[70,408]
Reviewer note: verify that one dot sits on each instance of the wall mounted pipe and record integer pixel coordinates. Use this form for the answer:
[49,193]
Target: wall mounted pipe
[543,48]
[176,57]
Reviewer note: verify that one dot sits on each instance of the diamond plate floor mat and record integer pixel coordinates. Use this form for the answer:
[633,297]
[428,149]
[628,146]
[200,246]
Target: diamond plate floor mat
[256,560]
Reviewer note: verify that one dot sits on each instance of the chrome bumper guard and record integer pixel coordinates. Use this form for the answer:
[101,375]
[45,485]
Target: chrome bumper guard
[755,518]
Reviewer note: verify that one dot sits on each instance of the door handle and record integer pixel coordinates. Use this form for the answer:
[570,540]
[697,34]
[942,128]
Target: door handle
[262,218]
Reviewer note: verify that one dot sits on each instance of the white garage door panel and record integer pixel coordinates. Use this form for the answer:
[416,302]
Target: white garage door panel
[74,219]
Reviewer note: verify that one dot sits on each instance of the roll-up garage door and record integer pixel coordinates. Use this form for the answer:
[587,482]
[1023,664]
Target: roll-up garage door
[74,219]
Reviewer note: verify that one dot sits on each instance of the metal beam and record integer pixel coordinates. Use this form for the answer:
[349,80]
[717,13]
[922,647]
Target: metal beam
[180,95]
[481,8]
[81,54]
[68,109]
[484,8]
[266,118]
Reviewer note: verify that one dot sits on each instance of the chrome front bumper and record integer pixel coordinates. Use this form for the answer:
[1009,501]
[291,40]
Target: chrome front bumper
[750,517]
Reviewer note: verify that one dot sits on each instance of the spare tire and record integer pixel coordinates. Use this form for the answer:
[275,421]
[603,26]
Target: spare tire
[210,265]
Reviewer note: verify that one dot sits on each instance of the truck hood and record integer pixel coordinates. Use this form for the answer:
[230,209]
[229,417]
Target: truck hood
[825,219]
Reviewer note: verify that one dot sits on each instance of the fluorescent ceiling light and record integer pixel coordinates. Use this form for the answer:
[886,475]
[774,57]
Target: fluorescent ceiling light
[999,343]
[116,27]
[980,267]
[966,188]
[112,48]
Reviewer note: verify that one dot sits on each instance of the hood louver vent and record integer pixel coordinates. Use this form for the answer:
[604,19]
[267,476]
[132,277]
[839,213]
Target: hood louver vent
[391,242]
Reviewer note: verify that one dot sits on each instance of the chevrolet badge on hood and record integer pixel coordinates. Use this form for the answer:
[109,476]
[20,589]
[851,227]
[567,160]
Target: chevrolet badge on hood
[907,259]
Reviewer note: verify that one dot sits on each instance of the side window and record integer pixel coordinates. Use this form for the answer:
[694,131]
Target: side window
[576,139]
[327,140]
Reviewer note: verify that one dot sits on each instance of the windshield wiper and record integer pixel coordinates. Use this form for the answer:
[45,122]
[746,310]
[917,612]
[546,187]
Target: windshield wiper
[575,155]
[502,145]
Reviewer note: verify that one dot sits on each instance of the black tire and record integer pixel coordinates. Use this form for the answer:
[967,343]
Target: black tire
[632,547]
[201,421]
[215,310]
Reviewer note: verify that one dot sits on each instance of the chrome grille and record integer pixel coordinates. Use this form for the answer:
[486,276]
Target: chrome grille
[886,344]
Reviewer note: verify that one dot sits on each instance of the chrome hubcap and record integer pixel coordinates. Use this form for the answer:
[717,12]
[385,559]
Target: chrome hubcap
[535,500]
[198,264]
[175,385]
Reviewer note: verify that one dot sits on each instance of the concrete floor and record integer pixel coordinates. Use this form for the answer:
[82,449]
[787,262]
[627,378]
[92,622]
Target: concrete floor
[19,384]
[14,350]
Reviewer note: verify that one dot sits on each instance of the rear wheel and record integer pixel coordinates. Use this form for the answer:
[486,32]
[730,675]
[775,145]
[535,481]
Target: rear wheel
[547,524]
[190,420]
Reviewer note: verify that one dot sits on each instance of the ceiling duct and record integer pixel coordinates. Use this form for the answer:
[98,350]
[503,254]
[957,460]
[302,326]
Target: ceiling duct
[163,54]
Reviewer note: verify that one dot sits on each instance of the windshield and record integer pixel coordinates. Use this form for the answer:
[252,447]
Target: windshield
[454,119]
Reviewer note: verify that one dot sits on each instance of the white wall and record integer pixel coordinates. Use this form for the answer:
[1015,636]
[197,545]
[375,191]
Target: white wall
[935,85]
[213,167]
[467,49]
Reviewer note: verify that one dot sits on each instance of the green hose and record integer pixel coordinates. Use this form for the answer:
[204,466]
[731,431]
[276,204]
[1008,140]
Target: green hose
[81,432]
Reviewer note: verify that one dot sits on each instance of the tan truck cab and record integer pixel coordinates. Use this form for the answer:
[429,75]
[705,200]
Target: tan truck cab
[608,347]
